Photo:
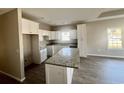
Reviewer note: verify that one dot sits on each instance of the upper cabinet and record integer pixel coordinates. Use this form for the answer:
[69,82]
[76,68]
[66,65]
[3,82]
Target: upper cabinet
[44,33]
[29,27]
[53,35]
[73,34]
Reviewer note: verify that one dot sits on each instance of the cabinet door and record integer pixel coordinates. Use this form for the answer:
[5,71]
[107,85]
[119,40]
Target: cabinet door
[55,49]
[40,35]
[54,35]
[48,33]
[73,34]
[34,27]
[25,26]
[43,54]
[49,51]
[55,74]
[45,33]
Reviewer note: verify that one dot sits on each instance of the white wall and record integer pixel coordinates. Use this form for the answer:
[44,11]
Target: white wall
[1,43]
[27,44]
[44,26]
[1,47]
[64,27]
[97,37]
[27,49]
[41,25]
[11,65]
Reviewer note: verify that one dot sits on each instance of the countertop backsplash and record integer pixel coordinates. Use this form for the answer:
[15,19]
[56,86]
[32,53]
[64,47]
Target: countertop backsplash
[73,41]
[45,43]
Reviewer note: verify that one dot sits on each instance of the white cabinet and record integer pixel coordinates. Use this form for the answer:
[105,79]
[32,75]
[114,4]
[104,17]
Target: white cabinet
[25,26]
[34,27]
[73,34]
[29,27]
[82,40]
[43,54]
[40,35]
[50,50]
[44,33]
[55,74]
[58,35]
[53,35]
[58,74]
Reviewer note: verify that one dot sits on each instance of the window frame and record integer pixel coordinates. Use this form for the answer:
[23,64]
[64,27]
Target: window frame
[108,40]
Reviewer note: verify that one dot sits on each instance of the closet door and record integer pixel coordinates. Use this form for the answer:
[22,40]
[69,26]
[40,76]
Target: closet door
[82,40]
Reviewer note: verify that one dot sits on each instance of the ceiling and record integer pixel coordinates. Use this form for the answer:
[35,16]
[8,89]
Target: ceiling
[4,10]
[65,16]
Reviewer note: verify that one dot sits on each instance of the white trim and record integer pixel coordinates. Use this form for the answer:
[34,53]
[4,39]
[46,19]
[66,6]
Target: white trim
[105,56]
[21,80]
[105,18]
[10,75]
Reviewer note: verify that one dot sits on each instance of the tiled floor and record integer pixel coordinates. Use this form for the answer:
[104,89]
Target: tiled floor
[92,70]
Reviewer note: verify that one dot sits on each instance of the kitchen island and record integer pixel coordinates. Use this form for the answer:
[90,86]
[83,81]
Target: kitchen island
[59,68]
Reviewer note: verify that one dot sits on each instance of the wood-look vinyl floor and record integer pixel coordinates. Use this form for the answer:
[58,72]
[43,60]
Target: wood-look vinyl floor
[99,70]
[92,70]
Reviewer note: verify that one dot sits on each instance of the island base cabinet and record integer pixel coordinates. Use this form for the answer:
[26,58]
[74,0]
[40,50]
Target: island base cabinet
[58,74]
[69,75]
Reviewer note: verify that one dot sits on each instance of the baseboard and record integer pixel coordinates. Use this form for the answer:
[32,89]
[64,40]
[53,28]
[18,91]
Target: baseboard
[7,74]
[21,80]
[105,56]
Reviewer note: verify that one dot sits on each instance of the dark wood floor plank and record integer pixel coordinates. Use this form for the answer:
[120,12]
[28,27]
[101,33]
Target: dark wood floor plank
[92,70]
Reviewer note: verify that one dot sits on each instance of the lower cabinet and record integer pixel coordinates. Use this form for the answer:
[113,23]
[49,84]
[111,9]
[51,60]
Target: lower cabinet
[58,74]
[43,54]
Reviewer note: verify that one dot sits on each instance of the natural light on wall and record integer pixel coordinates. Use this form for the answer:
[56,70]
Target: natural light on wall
[65,36]
[115,38]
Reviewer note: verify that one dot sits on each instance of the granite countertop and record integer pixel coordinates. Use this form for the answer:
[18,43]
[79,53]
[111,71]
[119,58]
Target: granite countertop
[67,57]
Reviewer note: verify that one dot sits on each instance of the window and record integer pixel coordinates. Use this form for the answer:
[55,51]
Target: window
[65,36]
[114,38]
